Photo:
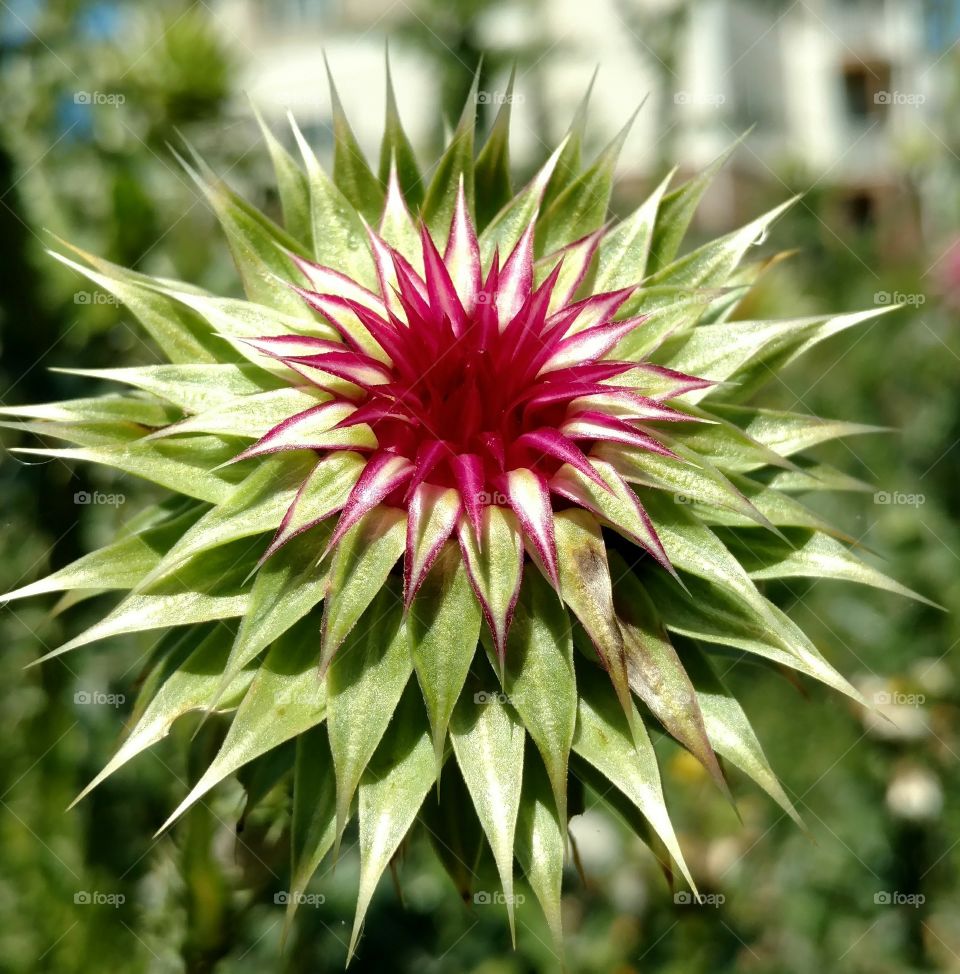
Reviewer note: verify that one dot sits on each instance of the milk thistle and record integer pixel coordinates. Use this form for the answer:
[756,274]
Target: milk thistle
[468,493]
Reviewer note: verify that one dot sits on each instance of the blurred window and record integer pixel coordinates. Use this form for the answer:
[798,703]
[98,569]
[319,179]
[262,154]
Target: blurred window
[866,88]
[298,13]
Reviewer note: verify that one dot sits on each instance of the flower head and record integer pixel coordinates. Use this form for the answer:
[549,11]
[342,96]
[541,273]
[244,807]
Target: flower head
[492,406]
[465,386]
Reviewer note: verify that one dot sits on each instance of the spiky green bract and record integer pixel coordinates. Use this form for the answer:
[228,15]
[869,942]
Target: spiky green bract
[458,590]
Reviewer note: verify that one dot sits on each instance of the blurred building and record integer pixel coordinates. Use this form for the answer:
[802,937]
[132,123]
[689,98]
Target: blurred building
[840,92]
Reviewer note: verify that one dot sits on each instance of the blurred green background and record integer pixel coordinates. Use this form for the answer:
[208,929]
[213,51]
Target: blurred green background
[856,105]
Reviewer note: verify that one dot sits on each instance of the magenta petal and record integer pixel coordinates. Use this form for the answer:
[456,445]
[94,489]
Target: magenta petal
[515,279]
[422,550]
[443,295]
[468,472]
[591,343]
[384,473]
[352,366]
[297,432]
[429,454]
[554,444]
[326,280]
[592,425]
[529,497]
[595,310]
[462,255]
[677,382]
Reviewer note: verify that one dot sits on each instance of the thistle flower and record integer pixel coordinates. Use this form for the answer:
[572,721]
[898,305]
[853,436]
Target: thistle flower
[486,462]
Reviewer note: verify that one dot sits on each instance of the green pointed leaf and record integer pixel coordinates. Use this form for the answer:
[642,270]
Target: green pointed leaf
[397,152]
[788,433]
[625,757]
[256,242]
[694,548]
[623,252]
[506,228]
[712,264]
[492,170]
[455,163]
[339,239]
[189,686]
[314,821]
[495,566]
[292,187]
[540,680]
[586,589]
[206,588]
[181,466]
[194,388]
[582,206]
[676,212]
[285,699]
[569,159]
[810,555]
[488,742]
[120,565]
[444,626]
[364,685]
[288,585]
[655,672]
[540,845]
[256,506]
[181,335]
[391,793]
[730,730]
[362,561]
[351,172]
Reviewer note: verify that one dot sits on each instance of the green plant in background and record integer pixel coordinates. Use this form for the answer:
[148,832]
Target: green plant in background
[519,510]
